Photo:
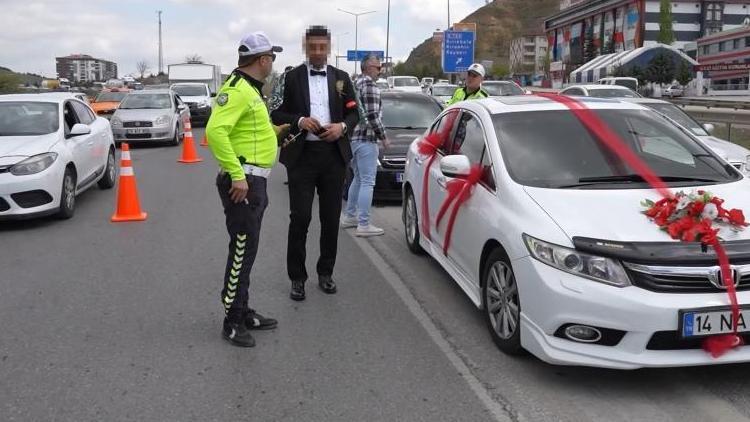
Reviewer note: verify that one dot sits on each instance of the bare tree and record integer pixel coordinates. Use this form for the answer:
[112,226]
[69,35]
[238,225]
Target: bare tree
[194,58]
[142,66]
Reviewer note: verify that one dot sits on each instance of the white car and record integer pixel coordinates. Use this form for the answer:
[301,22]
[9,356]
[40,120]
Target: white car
[51,149]
[674,91]
[734,154]
[552,245]
[404,83]
[599,91]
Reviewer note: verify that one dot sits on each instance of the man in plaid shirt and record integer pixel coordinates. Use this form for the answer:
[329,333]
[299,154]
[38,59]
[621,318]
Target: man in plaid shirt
[365,139]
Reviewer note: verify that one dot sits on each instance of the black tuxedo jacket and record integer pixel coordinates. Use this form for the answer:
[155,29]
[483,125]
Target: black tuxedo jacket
[342,103]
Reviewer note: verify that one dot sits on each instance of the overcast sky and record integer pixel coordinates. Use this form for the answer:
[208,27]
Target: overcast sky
[33,33]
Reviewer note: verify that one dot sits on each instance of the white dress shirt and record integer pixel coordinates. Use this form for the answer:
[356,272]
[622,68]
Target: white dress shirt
[319,108]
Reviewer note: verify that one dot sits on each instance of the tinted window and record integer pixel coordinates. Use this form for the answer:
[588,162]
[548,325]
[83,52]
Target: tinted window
[563,151]
[469,139]
[69,117]
[83,113]
[627,83]
[502,89]
[110,96]
[155,101]
[418,113]
[28,118]
[679,116]
[612,93]
[190,90]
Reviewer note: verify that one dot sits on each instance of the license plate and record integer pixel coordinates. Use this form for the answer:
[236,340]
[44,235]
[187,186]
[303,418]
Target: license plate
[136,131]
[711,321]
[399,177]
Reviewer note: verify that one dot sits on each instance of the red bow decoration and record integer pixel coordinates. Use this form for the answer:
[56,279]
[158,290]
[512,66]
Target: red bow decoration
[459,190]
[715,345]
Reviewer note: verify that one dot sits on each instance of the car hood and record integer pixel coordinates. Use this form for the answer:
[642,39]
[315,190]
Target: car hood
[400,140]
[197,99]
[143,114]
[616,214]
[15,148]
[727,150]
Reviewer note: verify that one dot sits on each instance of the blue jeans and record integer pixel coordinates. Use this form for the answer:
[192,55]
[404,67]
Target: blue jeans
[365,166]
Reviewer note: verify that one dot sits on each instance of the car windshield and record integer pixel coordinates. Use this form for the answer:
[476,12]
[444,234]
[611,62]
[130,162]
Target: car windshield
[409,113]
[675,113]
[443,91]
[28,118]
[405,82]
[110,96]
[502,89]
[190,90]
[146,101]
[611,93]
[552,149]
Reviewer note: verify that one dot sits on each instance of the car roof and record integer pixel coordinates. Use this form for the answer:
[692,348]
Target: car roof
[643,100]
[525,103]
[41,97]
[404,95]
[497,82]
[599,86]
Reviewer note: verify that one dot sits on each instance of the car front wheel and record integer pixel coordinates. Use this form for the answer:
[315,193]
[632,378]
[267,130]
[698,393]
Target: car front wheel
[108,180]
[176,140]
[411,224]
[68,195]
[502,303]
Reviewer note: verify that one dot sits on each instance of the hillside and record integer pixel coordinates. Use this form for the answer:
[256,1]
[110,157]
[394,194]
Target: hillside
[497,24]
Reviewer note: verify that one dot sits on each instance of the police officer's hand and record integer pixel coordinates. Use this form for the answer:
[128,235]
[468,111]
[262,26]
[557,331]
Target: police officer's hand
[332,132]
[238,191]
[310,124]
[281,131]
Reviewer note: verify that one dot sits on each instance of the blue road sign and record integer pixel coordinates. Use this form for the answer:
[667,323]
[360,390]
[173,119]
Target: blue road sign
[458,51]
[358,55]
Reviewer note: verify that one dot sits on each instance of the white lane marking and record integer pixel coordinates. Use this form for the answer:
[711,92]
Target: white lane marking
[496,409]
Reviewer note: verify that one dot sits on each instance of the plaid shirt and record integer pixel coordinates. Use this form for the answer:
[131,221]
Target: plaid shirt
[370,128]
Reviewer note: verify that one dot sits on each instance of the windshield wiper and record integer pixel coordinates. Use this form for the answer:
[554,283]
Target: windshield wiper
[633,178]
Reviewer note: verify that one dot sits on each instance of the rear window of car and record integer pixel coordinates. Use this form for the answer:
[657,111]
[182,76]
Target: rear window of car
[149,101]
[26,118]
[408,113]
[190,90]
[443,91]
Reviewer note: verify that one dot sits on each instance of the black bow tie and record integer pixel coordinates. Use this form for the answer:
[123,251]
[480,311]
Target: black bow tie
[317,72]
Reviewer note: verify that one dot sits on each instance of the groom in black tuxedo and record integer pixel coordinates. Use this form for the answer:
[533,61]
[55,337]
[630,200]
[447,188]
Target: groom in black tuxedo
[318,100]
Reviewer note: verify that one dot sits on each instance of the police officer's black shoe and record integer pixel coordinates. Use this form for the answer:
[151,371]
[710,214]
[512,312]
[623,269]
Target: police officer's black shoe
[327,284]
[298,290]
[256,321]
[237,334]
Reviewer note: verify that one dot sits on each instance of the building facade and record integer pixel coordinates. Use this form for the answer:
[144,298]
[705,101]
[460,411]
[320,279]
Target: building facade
[724,58]
[527,54]
[82,68]
[589,28]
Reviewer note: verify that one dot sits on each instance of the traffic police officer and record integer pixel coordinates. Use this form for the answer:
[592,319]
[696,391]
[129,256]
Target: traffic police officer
[473,89]
[244,142]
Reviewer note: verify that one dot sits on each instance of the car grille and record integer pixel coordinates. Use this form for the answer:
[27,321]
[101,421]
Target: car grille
[137,124]
[4,205]
[671,340]
[685,279]
[138,135]
[391,162]
[32,198]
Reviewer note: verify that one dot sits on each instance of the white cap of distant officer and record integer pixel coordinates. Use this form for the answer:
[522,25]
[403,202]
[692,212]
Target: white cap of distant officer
[474,78]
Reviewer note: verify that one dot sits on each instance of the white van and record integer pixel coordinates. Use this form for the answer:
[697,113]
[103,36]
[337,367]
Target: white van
[404,83]
[625,81]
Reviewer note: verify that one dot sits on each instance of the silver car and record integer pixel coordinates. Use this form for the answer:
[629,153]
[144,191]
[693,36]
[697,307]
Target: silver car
[149,117]
[442,92]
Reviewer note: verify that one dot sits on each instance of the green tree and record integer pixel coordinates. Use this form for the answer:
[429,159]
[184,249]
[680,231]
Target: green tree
[666,33]
[9,83]
[683,74]
[660,70]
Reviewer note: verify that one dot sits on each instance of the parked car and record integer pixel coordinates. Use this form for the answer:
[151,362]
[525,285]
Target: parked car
[599,91]
[734,154]
[52,149]
[382,84]
[551,243]
[674,91]
[107,101]
[502,88]
[151,116]
[197,96]
[77,95]
[426,83]
[404,83]
[443,92]
[626,81]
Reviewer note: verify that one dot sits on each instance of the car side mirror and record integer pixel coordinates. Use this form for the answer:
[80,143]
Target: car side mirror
[455,166]
[181,107]
[709,127]
[79,129]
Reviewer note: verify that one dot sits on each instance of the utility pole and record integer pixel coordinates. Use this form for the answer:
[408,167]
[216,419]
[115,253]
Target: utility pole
[356,32]
[161,54]
[449,14]
[387,39]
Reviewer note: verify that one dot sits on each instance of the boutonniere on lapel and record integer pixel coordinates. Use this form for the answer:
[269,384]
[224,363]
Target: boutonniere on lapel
[340,88]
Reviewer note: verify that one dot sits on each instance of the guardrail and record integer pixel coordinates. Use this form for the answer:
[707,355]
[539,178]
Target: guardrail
[711,103]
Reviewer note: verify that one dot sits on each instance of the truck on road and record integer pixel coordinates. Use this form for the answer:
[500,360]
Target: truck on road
[209,74]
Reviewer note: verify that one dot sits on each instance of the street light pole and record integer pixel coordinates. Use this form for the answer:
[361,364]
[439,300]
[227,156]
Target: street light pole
[449,14]
[356,32]
[387,37]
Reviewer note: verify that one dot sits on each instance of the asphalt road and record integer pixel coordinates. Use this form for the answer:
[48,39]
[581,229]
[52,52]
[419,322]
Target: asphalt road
[115,322]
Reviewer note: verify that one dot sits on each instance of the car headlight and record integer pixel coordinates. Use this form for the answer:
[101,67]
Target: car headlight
[34,164]
[204,104]
[115,121]
[162,120]
[597,268]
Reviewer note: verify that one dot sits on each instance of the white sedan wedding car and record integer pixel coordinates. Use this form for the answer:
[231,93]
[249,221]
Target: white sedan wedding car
[552,244]
[52,148]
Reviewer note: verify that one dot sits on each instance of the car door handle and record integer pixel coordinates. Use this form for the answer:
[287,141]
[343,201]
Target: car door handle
[442,182]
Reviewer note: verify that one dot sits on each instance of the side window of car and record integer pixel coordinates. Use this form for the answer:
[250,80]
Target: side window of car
[488,177]
[469,139]
[82,112]
[574,92]
[69,115]
[446,123]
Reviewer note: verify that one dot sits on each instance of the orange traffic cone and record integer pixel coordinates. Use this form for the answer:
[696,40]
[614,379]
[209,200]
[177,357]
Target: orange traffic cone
[204,142]
[189,154]
[128,207]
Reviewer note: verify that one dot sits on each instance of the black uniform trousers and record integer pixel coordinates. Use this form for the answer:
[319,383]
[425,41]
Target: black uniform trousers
[321,168]
[243,222]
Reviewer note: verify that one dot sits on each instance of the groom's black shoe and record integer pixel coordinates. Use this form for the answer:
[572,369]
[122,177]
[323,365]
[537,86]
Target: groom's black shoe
[327,284]
[298,290]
